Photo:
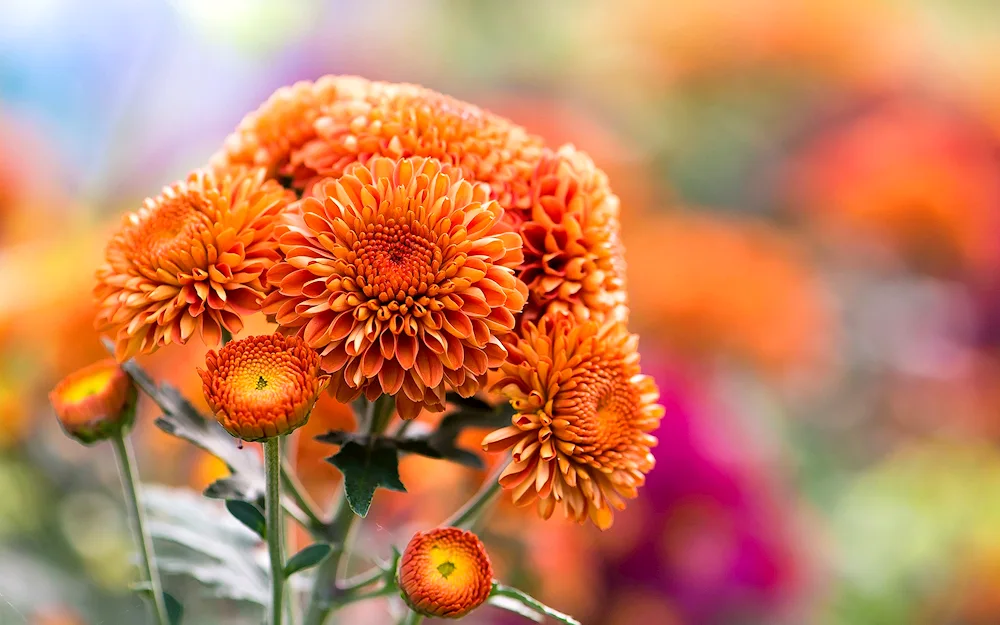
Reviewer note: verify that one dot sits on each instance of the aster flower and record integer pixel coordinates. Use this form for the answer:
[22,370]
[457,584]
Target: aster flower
[445,573]
[192,258]
[580,436]
[262,386]
[95,402]
[396,274]
[573,257]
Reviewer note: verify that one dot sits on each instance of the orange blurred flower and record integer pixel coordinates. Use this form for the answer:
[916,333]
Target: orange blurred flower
[445,573]
[396,273]
[573,258]
[192,258]
[95,402]
[262,386]
[919,178]
[580,436]
[311,131]
[734,287]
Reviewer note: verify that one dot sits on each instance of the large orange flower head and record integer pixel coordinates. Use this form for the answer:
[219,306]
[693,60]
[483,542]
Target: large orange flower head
[192,258]
[573,257]
[262,386]
[445,573]
[284,123]
[580,436]
[95,402]
[397,274]
[310,131]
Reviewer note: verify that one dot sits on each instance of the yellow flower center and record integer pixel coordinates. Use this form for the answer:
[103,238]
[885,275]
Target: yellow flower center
[88,386]
[454,565]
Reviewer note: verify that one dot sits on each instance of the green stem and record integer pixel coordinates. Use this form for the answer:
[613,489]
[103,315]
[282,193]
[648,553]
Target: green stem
[272,505]
[536,605]
[361,580]
[412,618]
[468,515]
[290,482]
[325,591]
[227,336]
[126,463]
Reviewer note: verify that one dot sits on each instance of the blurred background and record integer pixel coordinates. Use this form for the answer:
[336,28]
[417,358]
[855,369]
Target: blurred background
[811,206]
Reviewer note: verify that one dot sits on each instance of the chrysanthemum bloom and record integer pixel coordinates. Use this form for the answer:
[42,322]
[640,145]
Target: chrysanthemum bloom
[192,258]
[95,402]
[311,131]
[581,435]
[445,573]
[284,123]
[396,274]
[262,386]
[573,257]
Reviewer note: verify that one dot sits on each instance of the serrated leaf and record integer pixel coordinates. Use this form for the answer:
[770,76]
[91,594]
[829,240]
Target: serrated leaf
[365,468]
[506,597]
[307,558]
[249,515]
[181,419]
[194,537]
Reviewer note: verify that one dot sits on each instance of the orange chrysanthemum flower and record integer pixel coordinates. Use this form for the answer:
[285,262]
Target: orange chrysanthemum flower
[95,402]
[192,258]
[312,131]
[284,123]
[262,386]
[396,274]
[573,257]
[581,434]
[445,573]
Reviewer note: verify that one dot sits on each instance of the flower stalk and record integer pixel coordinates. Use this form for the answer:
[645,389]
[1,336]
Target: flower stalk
[468,515]
[326,592]
[130,485]
[272,504]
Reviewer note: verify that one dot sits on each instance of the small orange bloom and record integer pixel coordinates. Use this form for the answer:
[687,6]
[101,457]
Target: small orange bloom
[574,261]
[581,434]
[95,402]
[262,386]
[396,274]
[192,258]
[445,573]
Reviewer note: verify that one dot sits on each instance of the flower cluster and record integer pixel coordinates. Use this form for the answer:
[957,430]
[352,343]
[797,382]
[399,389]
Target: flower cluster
[406,244]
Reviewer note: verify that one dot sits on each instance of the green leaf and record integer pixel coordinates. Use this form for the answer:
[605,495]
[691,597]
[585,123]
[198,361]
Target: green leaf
[249,515]
[307,558]
[175,610]
[194,538]
[507,598]
[365,468]
[440,443]
[183,420]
